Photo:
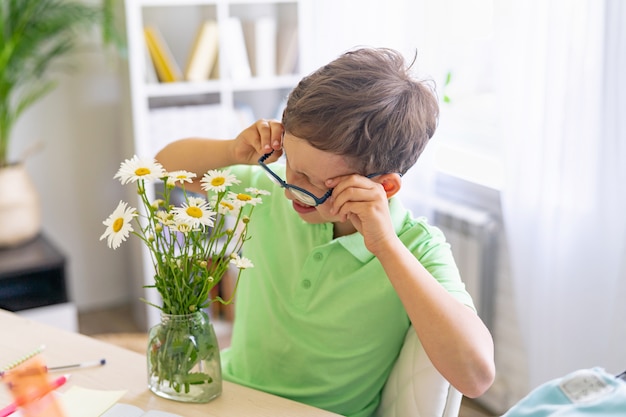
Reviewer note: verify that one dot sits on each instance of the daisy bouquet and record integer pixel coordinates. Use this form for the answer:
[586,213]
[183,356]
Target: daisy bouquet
[192,244]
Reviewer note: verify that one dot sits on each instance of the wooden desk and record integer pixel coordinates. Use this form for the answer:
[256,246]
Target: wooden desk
[126,370]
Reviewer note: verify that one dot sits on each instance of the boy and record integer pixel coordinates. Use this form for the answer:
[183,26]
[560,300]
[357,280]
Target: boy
[341,268]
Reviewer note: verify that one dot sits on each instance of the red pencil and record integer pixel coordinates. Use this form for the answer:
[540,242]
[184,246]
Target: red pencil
[20,401]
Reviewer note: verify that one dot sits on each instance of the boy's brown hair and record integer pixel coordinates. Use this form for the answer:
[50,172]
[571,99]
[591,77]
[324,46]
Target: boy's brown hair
[366,106]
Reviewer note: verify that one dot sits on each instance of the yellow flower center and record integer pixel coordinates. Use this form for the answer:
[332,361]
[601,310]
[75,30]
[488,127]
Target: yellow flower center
[227,205]
[194,212]
[217,181]
[117,224]
[140,172]
[244,197]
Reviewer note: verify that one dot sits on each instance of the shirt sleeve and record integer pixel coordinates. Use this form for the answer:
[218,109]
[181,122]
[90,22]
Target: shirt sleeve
[430,247]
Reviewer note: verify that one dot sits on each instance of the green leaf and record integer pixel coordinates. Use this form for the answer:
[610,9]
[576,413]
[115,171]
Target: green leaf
[197,378]
[37,40]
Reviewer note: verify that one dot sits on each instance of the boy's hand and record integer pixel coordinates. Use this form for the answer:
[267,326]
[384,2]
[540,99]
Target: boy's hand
[363,202]
[258,139]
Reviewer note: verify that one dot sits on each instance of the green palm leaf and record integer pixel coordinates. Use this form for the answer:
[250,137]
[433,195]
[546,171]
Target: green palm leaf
[37,39]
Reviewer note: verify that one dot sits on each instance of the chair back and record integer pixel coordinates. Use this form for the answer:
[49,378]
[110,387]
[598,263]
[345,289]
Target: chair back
[415,388]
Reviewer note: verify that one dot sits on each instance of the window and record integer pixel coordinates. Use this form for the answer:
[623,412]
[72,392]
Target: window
[462,52]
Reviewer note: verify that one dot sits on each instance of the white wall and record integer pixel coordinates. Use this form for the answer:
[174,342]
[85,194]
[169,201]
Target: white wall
[80,126]
[339,25]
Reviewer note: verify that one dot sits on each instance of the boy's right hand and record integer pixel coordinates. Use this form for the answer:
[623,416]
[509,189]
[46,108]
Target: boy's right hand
[262,137]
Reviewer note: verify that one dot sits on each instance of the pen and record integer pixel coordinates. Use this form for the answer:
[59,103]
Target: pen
[66,367]
[77,365]
[20,401]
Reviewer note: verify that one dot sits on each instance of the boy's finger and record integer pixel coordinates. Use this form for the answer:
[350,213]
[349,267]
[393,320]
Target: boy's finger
[333,182]
[277,131]
[270,132]
[265,135]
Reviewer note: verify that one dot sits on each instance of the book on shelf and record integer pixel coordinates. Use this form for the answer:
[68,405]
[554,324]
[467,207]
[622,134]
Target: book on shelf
[203,56]
[260,36]
[215,72]
[149,70]
[287,49]
[235,50]
[164,63]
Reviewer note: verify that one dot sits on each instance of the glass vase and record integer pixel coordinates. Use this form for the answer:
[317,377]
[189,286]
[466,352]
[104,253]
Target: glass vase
[184,358]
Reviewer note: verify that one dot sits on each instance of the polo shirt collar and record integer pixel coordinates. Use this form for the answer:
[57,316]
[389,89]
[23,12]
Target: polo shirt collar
[354,242]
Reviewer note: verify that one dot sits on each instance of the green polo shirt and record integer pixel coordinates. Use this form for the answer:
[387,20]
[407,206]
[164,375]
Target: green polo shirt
[317,320]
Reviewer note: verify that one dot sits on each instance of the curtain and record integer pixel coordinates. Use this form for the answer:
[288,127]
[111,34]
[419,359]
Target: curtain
[562,65]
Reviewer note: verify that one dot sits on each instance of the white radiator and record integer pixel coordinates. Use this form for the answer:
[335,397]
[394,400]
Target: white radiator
[472,235]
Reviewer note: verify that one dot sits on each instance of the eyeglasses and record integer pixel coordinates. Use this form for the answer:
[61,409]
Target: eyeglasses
[299,194]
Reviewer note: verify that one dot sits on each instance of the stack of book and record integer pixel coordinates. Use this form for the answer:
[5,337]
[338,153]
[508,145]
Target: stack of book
[250,48]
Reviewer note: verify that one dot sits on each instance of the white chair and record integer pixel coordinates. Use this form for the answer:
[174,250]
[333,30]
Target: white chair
[415,388]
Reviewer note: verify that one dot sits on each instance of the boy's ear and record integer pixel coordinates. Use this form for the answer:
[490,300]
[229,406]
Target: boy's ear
[391,183]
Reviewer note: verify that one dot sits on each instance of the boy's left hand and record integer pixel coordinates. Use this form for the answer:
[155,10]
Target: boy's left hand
[363,202]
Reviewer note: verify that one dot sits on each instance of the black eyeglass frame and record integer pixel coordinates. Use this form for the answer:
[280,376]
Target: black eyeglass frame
[287,186]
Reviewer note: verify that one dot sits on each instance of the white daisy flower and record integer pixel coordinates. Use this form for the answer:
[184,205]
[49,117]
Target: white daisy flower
[218,181]
[227,207]
[182,227]
[135,169]
[180,176]
[195,212]
[241,262]
[256,191]
[242,199]
[164,217]
[118,225]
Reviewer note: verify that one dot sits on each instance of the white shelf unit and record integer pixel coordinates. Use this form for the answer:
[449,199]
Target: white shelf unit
[163,112]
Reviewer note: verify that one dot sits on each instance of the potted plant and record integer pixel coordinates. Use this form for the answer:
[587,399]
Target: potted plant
[36,38]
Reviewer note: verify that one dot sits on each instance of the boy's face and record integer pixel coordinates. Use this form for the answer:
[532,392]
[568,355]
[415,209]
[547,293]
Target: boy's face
[308,168]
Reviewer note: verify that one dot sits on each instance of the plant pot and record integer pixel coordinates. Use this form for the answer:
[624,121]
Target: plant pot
[20,211]
[184,358]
